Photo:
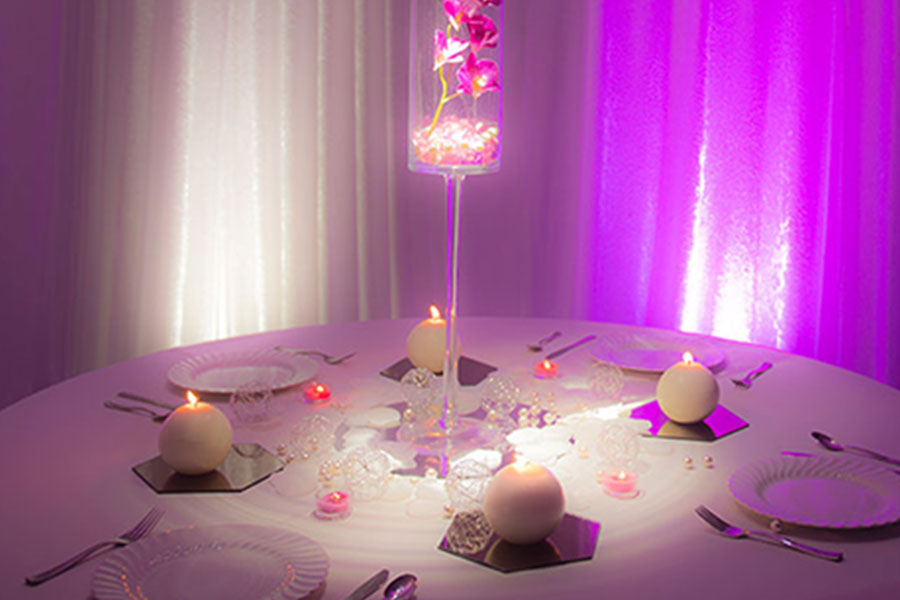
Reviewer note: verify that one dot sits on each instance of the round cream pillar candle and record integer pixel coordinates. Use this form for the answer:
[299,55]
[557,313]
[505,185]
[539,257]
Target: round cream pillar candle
[427,341]
[687,392]
[524,503]
[195,438]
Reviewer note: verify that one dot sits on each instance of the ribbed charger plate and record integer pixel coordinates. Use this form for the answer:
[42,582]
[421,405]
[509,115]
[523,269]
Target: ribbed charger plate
[836,492]
[225,372]
[223,562]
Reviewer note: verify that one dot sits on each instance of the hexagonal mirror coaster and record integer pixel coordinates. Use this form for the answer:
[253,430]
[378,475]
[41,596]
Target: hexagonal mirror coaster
[469,536]
[720,423]
[245,466]
[471,371]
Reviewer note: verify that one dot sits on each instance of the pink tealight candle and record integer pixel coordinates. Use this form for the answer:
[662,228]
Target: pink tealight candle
[332,505]
[545,369]
[619,483]
[317,392]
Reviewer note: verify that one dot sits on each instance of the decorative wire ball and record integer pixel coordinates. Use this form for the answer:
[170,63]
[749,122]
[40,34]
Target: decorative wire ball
[499,395]
[466,484]
[366,473]
[469,532]
[606,382]
[618,444]
[422,392]
[313,436]
[419,386]
[250,402]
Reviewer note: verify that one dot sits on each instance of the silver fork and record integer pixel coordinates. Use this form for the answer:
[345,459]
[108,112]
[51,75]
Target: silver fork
[747,380]
[329,360]
[769,537]
[138,410]
[143,527]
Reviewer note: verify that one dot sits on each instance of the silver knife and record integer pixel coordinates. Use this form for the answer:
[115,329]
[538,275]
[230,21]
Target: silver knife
[370,585]
[571,346]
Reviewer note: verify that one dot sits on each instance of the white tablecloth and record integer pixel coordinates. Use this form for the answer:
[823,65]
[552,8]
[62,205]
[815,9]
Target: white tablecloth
[67,479]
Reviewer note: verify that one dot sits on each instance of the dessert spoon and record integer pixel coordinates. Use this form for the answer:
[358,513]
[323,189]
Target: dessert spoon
[539,346]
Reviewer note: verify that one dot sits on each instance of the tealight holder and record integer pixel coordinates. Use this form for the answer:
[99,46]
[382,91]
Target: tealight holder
[546,369]
[619,483]
[317,393]
[332,505]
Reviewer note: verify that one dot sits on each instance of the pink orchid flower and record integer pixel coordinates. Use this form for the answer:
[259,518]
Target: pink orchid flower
[482,32]
[458,11]
[478,76]
[447,49]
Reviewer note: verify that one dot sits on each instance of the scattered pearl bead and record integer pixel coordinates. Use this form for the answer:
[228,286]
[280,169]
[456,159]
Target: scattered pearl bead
[688,462]
[776,526]
[281,449]
[708,462]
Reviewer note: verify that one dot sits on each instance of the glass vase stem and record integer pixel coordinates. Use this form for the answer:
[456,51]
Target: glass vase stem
[451,351]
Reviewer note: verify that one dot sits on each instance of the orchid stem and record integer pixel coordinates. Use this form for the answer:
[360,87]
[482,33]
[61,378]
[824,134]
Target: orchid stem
[444,100]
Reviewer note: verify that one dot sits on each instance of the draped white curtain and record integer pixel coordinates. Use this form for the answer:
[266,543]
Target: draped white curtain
[239,168]
[178,171]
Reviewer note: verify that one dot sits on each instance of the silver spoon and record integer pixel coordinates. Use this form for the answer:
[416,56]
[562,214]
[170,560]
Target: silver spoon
[402,588]
[539,346]
[747,381]
[829,443]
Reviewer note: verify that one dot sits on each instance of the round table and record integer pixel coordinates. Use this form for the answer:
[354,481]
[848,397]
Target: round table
[67,478]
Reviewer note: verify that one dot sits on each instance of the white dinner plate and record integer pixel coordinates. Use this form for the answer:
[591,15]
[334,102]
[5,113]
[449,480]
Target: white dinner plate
[655,351]
[224,562]
[835,492]
[225,372]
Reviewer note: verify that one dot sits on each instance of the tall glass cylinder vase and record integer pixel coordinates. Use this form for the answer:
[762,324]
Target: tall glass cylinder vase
[455,93]
[455,86]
